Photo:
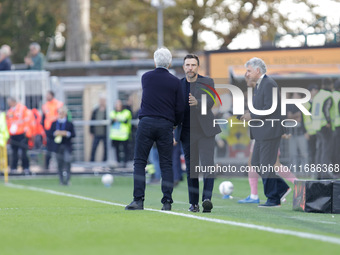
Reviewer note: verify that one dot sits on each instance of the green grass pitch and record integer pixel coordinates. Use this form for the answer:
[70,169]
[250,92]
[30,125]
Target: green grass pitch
[34,222]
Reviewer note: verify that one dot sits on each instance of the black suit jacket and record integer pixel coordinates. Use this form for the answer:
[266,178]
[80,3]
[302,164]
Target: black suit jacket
[205,121]
[67,141]
[262,100]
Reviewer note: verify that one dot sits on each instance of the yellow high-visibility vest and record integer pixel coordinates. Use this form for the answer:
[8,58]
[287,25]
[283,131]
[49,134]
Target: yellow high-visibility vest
[319,119]
[4,134]
[336,99]
[121,128]
[308,120]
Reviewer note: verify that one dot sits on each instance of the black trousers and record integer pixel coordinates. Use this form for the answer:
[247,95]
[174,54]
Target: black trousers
[19,142]
[152,130]
[121,148]
[324,152]
[64,159]
[265,154]
[312,149]
[49,150]
[96,141]
[198,148]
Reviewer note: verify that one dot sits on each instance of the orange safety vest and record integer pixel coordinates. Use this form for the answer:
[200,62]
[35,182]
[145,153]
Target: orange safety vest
[34,127]
[50,110]
[17,119]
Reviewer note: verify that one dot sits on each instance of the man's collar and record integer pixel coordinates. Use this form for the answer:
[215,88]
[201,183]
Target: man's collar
[259,80]
[63,120]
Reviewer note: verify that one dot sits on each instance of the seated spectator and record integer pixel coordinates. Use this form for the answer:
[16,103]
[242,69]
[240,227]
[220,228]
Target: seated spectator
[5,61]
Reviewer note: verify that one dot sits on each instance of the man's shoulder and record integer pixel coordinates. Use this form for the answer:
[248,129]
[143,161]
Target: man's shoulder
[269,80]
[205,80]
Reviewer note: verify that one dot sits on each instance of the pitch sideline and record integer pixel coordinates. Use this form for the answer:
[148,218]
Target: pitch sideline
[304,235]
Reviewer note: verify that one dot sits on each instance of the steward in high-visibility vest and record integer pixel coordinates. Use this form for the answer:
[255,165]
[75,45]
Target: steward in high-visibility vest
[17,119]
[336,99]
[4,134]
[50,110]
[308,123]
[307,120]
[120,132]
[323,110]
[17,123]
[121,125]
[50,115]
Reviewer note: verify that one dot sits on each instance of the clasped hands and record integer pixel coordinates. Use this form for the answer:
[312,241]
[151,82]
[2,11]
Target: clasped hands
[60,132]
[246,116]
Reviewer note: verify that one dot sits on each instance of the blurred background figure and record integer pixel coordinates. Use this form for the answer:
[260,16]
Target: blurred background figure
[154,167]
[98,132]
[61,133]
[5,61]
[120,132]
[34,59]
[298,148]
[17,123]
[323,116]
[336,135]
[308,123]
[50,114]
[176,163]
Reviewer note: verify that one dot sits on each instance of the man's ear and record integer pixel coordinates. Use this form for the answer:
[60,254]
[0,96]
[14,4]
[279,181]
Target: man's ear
[169,66]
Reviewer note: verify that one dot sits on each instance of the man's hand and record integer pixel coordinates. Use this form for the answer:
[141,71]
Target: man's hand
[246,116]
[286,136]
[192,100]
[60,132]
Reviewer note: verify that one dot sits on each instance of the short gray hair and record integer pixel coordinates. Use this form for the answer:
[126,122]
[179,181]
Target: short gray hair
[35,45]
[257,63]
[5,50]
[162,57]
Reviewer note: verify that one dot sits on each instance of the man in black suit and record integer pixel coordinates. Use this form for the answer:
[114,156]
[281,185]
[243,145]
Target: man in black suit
[197,133]
[267,134]
[161,109]
[61,133]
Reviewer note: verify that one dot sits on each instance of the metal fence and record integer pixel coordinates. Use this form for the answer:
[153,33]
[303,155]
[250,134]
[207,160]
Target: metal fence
[81,96]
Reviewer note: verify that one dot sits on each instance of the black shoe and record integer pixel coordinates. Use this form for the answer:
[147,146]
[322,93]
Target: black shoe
[194,208]
[135,205]
[269,204]
[207,206]
[166,206]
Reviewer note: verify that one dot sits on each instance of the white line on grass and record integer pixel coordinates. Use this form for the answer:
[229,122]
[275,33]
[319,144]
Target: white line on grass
[304,235]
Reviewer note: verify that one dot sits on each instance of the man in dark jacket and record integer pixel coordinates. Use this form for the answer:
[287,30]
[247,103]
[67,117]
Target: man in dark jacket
[62,132]
[99,131]
[197,132]
[267,135]
[161,109]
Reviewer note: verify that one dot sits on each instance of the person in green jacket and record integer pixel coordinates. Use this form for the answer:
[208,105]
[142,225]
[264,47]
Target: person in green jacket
[120,131]
[35,59]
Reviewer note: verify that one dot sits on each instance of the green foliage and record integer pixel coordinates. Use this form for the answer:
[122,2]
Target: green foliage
[23,22]
[132,24]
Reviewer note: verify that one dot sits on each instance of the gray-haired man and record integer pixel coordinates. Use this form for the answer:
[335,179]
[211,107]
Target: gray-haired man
[267,136]
[162,108]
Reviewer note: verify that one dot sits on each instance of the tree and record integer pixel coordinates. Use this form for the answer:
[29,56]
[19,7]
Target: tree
[23,22]
[78,44]
[133,23]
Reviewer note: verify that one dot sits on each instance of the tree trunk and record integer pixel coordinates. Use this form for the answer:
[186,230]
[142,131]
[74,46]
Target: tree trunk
[78,42]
